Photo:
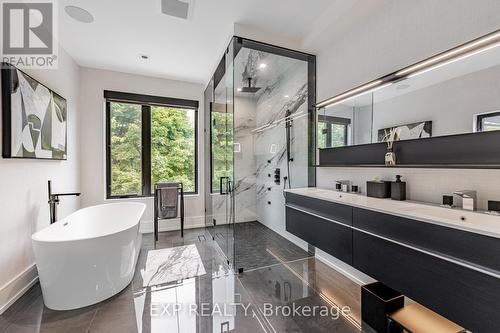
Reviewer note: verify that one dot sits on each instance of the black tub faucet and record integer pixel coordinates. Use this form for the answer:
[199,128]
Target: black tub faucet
[54,201]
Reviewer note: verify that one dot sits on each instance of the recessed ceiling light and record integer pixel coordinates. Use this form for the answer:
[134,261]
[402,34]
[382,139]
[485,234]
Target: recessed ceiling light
[144,56]
[79,14]
[286,96]
[262,66]
[239,89]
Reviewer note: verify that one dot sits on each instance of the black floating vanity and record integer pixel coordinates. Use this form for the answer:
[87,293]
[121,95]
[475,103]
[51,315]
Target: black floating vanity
[451,271]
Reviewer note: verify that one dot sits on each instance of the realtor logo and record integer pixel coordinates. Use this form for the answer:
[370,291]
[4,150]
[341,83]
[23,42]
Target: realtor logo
[28,34]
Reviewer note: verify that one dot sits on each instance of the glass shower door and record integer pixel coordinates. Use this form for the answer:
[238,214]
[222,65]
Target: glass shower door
[221,137]
[208,105]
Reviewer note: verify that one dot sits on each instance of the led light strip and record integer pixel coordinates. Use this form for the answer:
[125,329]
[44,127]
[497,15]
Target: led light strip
[452,60]
[463,51]
[351,93]
[481,44]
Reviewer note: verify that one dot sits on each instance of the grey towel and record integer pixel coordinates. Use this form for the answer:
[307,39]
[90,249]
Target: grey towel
[168,202]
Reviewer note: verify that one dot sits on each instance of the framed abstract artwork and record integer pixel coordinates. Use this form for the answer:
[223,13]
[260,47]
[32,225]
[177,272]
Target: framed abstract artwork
[34,118]
[418,130]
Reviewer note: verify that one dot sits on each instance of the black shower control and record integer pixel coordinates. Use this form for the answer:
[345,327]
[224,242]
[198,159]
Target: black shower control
[269,189]
[269,175]
[269,161]
[269,202]
[277,176]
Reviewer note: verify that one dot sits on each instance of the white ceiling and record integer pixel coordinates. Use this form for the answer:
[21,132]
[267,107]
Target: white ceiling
[181,49]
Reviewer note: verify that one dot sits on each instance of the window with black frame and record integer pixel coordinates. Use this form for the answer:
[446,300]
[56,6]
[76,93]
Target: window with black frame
[332,131]
[149,140]
[488,122]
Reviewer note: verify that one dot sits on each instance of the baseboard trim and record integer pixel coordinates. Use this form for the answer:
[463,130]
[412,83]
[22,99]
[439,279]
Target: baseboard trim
[173,224]
[15,288]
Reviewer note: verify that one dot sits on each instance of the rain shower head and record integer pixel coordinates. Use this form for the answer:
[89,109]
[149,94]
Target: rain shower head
[250,89]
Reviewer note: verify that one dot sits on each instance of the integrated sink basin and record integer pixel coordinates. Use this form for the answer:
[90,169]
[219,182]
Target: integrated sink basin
[478,222]
[454,216]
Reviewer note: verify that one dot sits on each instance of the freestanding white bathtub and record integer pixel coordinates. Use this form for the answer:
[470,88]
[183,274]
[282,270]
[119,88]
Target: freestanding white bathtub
[89,256]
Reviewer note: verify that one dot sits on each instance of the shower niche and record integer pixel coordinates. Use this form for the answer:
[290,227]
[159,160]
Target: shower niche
[259,140]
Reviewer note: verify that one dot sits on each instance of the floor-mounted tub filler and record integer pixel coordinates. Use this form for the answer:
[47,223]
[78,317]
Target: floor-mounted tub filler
[88,256]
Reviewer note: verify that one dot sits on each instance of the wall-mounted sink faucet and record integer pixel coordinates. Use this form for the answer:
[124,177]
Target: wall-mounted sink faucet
[469,199]
[54,201]
[343,185]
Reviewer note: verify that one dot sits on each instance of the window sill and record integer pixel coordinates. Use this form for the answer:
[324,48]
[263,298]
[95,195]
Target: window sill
[139,197]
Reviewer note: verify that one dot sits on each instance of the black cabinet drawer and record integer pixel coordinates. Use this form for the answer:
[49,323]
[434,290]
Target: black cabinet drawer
[468,297]
[474,248]
[328,209]
[328,236]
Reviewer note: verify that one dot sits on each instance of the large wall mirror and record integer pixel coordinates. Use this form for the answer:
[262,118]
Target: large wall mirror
[457,94]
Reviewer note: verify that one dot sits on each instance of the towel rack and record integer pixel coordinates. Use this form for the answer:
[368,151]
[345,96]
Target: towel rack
[157,192]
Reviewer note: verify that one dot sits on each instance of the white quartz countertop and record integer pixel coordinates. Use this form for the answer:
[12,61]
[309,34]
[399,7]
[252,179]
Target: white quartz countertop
[476,222]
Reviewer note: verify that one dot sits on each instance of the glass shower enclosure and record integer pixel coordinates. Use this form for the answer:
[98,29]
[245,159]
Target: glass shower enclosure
[259,141]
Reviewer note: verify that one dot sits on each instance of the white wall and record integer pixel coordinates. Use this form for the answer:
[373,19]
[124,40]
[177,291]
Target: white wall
[92,128]
[400,33]
[23,197]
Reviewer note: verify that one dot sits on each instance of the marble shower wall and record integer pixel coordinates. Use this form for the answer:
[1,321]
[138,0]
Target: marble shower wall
[288,92]
[244,159]
[260,135]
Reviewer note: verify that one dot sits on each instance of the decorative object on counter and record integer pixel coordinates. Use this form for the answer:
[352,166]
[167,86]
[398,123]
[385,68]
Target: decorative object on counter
[377,302]
[390,155]
[447,201]
[354,188]
[378,189]
[494,206]
[469,199]
[34,118]
[398,189]
[338,186]
[417,130]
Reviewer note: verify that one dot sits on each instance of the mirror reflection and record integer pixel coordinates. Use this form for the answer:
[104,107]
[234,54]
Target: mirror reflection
[459,97]
[345,124]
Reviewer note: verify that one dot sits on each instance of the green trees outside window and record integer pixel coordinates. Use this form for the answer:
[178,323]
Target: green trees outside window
[172,157]
[222,147]
[126,149]
[173,146]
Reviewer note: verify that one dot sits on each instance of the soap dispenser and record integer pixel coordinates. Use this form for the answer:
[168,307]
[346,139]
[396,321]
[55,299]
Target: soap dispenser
[398,189]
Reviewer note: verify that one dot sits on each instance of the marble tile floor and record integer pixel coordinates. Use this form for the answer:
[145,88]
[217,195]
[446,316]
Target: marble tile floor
[205,303]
